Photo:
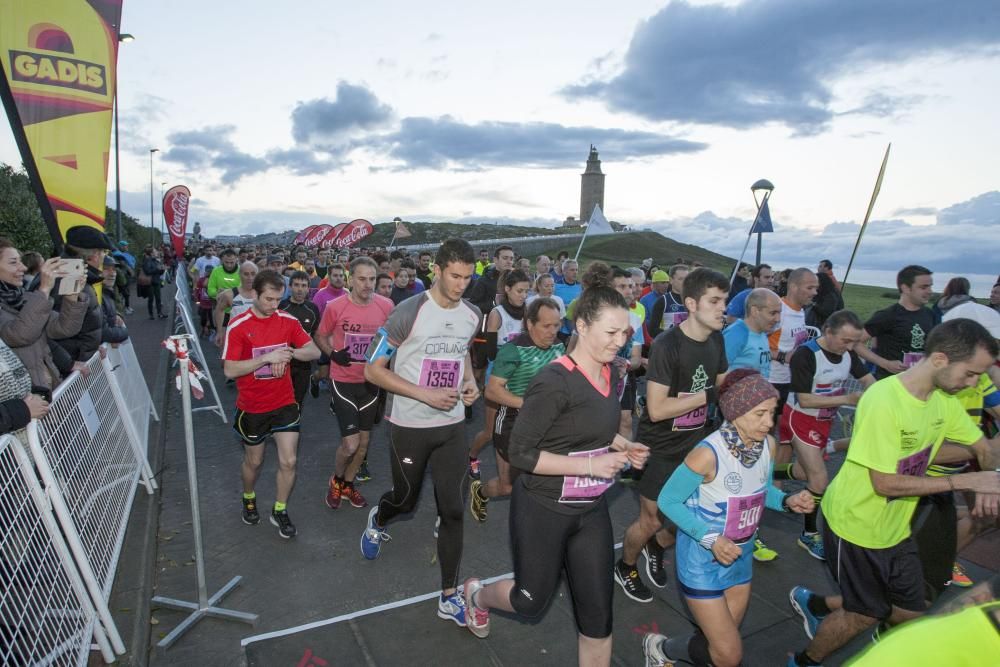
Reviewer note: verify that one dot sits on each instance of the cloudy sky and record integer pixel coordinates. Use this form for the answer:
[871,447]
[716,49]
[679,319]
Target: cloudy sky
[280,115]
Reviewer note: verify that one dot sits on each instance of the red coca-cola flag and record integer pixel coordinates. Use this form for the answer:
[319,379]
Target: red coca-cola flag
[175,215]
[301,236]
[353,232]
[330,239]
[316,235]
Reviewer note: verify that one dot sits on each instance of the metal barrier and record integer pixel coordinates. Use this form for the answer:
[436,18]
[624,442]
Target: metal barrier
[184,324]
[128,374]
[46,614]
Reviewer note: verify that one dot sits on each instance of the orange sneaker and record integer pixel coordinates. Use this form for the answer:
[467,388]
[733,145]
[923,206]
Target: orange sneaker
[334,494]
[959,577]
[353,495]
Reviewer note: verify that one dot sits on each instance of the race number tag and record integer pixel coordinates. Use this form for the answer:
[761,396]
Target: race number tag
[671,320]
[742,516]
[357,345]
[915,465]
[585,489]
[440,373]
[692,420]
[799,337]
[829,413]
[911,358]
[264,372]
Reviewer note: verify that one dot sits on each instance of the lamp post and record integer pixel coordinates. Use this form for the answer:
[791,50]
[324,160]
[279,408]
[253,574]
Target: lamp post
[162,222]
[152,217]
[123,38]
[765,186]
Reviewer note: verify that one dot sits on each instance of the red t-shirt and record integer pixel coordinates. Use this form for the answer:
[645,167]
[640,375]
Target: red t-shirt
[249,336]
[353,326]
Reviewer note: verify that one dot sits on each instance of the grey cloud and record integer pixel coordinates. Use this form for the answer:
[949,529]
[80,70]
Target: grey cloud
[916,210]
[325,122]
[213,148]
[983,210]
[775,60]
[447,143]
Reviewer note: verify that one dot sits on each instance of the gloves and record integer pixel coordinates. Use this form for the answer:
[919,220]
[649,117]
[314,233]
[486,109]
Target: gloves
[341,357]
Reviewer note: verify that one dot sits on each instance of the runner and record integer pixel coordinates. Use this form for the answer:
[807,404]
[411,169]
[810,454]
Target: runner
[225,277]
[347,328]
[483,294]
[502,326]
[307,314]
[670,310]
[761,277]
[235,301]
[259,343]
[716,499]
[820,371]
[686,366]
[517,363]
[545,285]
[566,441]
[901,329]
[629,358]
[332,289]
[427,341]
[900,425]
[568,289]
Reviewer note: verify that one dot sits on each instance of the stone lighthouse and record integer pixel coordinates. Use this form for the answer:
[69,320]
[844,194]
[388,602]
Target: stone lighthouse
[591,186]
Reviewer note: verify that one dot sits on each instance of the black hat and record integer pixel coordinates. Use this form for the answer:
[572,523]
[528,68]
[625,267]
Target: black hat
[83,236]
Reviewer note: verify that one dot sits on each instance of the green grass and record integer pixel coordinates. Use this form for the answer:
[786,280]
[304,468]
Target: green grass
[628,250]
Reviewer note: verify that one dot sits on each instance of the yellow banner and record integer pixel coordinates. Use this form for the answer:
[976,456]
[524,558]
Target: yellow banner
[59,60]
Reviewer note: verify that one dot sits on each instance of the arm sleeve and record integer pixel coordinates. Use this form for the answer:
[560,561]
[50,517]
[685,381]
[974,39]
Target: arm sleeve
[62,359]
[661,364]
[991,397]
[298,335]
[506,362]
[736,337]
[880,323]
[737,307]
[213,286]
[14,415]
[803,366]
[682,483]
[544,401]
[401,320]
[656,319]
[858,368]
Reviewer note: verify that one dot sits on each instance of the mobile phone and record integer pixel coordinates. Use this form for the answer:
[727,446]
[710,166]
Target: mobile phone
[72,277]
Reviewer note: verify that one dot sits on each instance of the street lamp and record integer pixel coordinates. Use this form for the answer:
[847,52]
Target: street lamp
[123,38]
[152,218]
[162,223]
[765,186]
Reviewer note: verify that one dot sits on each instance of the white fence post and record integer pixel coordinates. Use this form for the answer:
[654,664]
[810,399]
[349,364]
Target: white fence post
[138,442]
[186,325]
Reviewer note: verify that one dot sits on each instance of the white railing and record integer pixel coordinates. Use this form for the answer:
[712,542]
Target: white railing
[184,324]
[125,365]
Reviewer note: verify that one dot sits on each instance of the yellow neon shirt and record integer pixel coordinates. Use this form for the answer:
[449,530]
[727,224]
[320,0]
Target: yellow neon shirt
[894,433]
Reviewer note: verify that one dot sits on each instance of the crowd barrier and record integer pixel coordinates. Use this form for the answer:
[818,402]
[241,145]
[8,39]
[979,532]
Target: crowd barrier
[185,323]
[67,483]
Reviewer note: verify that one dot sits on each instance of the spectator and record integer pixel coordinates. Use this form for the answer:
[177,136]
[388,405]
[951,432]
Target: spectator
[113,330]
[20,402]
[402,289]
[383,285]
[153,268]
[26,318]
[995,297]
[826,266]
[32,265]
[88,244]
[955,293]
[128,269]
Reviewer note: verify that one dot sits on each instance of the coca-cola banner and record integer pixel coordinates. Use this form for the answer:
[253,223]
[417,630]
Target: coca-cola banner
[301,236]
[330,239]
[313,238]
[351,234]
[175,215]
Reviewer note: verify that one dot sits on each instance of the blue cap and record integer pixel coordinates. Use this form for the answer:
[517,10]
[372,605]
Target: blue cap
[123,243]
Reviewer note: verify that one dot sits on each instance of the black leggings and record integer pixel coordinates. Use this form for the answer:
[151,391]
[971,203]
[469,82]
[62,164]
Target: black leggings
[545,541]
[444,448]
[154,294]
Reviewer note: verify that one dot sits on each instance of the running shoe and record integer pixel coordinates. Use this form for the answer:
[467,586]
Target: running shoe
[799,598]
[437,526]
[813,544]
[628,578]
[477,501]
[959,577]
[373,537]
[334,494]
[284,525]
[654,563]
[762,553]
[452,608]
[880,631]
[652,648]
[251,516]
[476,619]
[474,468]
[363,474]
[354,496]
[791,662]
[313,386]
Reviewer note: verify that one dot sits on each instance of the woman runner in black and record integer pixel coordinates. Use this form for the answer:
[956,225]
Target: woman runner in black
[566,439]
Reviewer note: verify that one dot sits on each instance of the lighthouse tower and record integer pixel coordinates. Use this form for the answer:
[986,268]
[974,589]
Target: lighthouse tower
[591,186]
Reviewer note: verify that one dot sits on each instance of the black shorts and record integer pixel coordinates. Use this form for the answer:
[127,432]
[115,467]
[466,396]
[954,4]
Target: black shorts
[628,396]
[656,472]
[502,429]
[254,428]
[356,405]
[872,581]
[783,390]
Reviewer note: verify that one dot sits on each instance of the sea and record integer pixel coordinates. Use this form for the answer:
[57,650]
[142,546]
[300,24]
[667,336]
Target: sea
[981,283]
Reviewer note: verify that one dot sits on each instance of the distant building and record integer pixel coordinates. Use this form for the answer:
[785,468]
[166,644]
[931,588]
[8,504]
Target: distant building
[591,190]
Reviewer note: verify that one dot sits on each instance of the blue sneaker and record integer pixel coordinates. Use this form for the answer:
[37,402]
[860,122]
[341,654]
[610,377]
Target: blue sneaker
[813,544]
[452,608]
[373,537]
[799,598]
[791,662]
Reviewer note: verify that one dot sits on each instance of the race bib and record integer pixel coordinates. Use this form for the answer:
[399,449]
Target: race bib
[692,420]
[799,337]
[357,345]
[440,373]
[830,413]
[264,372]
[743,515]
[915,465]
[584,488]
[671,320]
[911,358]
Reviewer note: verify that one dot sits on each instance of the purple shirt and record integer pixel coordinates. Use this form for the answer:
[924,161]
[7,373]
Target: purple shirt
[325,296]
